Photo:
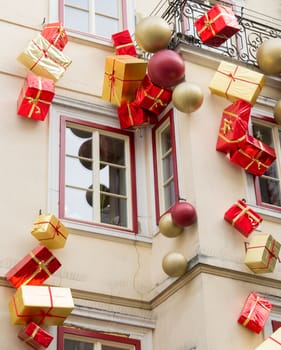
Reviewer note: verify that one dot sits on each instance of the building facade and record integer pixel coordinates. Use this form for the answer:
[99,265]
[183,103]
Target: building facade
[107,185]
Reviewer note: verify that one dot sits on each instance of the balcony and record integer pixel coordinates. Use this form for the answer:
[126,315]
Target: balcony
[255,28]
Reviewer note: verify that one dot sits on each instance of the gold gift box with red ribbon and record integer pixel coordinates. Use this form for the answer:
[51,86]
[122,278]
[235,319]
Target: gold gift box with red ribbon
[217,25]
[243,218]
[123,75]
[34,268]
[44,59]
[255,312]
[44,305]
[35,336]
[273,342]
[262,253]
[49,231]
[233,126]
[132,116]
[123,43]
[253,155]
[35,97]
[55,34]
[151,97]
[236,82]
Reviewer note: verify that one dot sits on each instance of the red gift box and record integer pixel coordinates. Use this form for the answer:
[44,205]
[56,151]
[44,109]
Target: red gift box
[55,34]
[123,43]
[35,97]
[255,312]
[243,218]
[217,25]
[233,126]
[132,116]
[35,336]
[34,268]
[253,155]
[152,97]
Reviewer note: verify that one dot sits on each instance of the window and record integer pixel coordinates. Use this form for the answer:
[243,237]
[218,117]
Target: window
[97,175]
[78,339]
[164,152]
[267,186]
[97,17]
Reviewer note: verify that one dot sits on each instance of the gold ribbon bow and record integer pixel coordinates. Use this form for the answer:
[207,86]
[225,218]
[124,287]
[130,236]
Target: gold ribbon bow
[42,266]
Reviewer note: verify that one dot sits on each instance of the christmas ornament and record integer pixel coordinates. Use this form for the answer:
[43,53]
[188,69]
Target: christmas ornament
[168,228]
[277,112]
[81,133]
[104,199]
[152,34]
[187,97]
[166,68]
[269,56]
[183,214]
[174,264]
[85,151]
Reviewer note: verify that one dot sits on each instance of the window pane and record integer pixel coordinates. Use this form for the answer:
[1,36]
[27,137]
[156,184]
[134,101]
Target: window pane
[77,345]
[76,205]
[115,211]
[73,141]
[106,26]
[110,8]
[263,133]
[76,174]
[270,191]
[169,195]
[76,19]
[166,140]
[78,3]
[167,167]
[112,150]
[113,179]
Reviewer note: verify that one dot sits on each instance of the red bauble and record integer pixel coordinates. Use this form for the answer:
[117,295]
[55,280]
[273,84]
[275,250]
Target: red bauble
[166,68]
[183,214]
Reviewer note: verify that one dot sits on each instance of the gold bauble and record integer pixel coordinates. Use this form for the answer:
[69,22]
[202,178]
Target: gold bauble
[174,264]
[152,34]
[187,97]
[277,112]
[168,228]
[269,56]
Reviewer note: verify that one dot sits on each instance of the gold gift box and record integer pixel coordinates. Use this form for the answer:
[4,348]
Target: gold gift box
[123,75]
[49,231]
[262,253]
[41,304]
[236,82]
[273,342]
[44,59]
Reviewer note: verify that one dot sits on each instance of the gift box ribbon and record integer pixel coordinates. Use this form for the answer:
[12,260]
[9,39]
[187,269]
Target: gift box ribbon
[269,250]
[245,210]
[254,159]
[33,334]
[233,78]
[232,141]
[42,313]
[55,227]
[157,100]
[275,340]
[124,45]
[42,266]
[34,101]
[61,31]
[210,21]
[256,302]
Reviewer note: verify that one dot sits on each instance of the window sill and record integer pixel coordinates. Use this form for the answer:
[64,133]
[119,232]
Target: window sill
[266,213]
[89,39]
[105,233]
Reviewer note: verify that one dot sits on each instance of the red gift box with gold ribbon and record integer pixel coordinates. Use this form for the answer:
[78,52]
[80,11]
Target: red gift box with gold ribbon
[255,312]
[35,97]
[233,126]
[152,97]
[123,43]
[34,268]
[55,34]
[132,116]
[243,218]
[217,25]
[35,336]
[253,155]
[44,305]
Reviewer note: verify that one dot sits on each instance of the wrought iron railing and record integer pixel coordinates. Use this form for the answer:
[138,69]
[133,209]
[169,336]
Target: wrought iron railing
[255,28]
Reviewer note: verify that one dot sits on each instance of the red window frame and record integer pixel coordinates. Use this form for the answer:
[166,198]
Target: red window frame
[63,121]
[257,188]
[169,116]
[62,330]
[124,20]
